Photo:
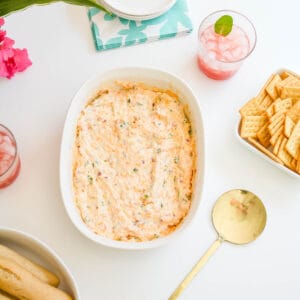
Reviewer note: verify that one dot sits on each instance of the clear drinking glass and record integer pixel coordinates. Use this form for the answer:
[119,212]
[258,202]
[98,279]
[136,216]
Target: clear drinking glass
[219,57]
[9,157]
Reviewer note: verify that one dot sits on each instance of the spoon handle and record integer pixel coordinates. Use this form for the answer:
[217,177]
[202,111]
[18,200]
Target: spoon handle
[201,262]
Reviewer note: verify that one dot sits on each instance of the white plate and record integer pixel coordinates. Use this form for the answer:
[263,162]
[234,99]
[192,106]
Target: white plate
[40,253]
[138,9]
[148,76]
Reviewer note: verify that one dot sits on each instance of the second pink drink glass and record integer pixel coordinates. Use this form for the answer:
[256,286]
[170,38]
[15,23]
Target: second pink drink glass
[219,57]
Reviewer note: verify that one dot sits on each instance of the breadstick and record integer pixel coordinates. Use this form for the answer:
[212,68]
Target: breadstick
[4,296]
[23,285]
[36,270]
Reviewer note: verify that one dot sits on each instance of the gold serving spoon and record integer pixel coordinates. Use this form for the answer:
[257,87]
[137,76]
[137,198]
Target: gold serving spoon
[239,217]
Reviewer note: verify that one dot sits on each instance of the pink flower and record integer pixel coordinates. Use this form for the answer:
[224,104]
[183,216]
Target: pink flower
[16,61]
[21,60]
[2,35]
[2,32]
[12,60]
[6,43]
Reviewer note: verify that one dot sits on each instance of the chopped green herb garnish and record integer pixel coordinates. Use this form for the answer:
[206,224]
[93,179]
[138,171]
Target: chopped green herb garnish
[161,205]
[176,160]
[135,170]
[190,131]
[93,165]
[123,125]
[158,150]
[156,236]
[139,103]
[128,100]
[244,192]
[146,196]
[90,179]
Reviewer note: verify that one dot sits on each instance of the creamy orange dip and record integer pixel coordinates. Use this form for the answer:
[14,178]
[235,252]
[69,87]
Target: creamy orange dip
[134,162]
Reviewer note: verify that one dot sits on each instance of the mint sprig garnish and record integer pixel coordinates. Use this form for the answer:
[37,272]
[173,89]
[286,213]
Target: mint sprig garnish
[223,25]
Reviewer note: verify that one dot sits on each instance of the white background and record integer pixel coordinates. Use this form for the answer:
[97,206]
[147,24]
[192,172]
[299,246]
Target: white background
[34,104]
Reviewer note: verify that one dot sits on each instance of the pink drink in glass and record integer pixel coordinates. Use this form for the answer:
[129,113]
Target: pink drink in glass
[219,57]
[9,158]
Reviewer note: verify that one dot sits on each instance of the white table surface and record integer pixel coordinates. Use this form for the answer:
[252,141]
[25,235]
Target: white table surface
[34,104]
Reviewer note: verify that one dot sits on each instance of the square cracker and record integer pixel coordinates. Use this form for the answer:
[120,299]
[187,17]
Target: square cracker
[264,135]
[294,164]
[266,102]
[288,126]
[276,125]
[276,135]
[285,74]
[251,108]
[251,125]
[290,91]
[294,112]
[277,144]
[276,117]
[298,164]
[270,110]
[284,155]
[271,87]
[262,93]
[283,105]
[293,143]
[290,80]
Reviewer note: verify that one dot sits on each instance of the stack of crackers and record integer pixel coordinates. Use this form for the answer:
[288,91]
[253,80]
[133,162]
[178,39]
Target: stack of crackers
[271,120]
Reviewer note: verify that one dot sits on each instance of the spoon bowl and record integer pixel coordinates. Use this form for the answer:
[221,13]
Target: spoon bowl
[239,216]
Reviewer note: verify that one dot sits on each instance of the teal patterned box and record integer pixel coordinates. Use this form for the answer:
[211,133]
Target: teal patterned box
[110,31]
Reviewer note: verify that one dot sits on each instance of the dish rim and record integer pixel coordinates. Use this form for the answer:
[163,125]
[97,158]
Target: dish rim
[197,125]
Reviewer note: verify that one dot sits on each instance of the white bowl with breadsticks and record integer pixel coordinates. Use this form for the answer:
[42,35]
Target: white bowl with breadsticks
[270,122]
[29,269]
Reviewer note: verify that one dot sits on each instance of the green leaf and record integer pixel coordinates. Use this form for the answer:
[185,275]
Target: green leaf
[10,6]
[223,26]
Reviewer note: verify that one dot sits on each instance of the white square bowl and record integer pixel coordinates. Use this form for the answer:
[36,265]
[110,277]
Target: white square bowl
[253,149]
